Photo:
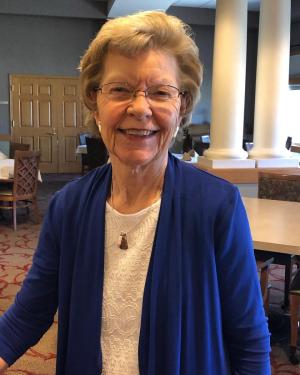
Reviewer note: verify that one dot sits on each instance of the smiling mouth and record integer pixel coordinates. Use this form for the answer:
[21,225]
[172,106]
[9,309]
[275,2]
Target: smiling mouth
[138,132]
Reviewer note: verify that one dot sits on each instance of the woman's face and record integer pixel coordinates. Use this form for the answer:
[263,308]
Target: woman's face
[139,131]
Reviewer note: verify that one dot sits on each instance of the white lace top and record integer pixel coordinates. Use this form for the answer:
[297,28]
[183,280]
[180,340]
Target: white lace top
[124,281]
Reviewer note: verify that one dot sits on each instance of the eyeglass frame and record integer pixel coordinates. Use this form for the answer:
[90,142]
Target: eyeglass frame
[146,94]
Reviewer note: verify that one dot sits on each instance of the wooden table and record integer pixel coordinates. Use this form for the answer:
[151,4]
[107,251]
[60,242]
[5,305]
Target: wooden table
[81,149]
[275,225]
[275,229]
[6,180]
[295,148]
[7,170]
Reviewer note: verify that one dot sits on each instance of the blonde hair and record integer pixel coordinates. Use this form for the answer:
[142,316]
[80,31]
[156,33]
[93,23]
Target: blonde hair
[137,33]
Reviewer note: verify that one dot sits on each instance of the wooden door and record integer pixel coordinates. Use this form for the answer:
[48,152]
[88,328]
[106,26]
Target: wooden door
[70,123]
[46,113]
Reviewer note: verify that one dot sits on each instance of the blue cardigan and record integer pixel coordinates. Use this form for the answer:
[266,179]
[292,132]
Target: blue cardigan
[202,309]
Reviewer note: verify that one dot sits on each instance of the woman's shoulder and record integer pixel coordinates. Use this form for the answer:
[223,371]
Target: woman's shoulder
[204,195]
[194,177]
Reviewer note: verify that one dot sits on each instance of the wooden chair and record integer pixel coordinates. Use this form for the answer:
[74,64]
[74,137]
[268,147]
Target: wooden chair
[263,269]
[23,188]
[82,137]
[14,146]
[82,141]
[97,154]
[294,310]
[200,146]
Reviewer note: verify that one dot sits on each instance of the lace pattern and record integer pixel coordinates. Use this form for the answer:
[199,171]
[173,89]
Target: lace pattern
[124,281]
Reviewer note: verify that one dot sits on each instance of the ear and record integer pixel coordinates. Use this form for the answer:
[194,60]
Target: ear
[93,96]
[97,120]
[96,116]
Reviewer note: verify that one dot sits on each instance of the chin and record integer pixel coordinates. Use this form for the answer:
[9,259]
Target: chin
[139,159]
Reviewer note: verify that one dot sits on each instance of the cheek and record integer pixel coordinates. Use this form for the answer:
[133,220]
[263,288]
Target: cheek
[169,119]
[110,116]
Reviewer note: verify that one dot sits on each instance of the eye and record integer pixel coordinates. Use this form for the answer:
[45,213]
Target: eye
[119,89]
[161,93]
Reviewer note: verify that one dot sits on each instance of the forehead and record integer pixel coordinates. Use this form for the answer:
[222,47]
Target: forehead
[150,66]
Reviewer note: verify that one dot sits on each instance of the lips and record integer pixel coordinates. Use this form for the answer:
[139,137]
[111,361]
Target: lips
[138,132]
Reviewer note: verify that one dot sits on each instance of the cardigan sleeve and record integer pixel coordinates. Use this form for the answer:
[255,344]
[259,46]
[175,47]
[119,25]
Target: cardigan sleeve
[33,310]
[244,322]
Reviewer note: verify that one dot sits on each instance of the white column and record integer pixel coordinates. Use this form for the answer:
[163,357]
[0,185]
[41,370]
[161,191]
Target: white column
[228,83]
[272,78]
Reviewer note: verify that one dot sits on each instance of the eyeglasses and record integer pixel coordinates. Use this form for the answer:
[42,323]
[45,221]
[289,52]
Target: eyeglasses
[122,91]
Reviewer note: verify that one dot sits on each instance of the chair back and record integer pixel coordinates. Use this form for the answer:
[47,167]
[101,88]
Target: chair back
[82,138]
[279,185]
[288,143]
[14,146]
[248,146]
[26,169]
[96,152]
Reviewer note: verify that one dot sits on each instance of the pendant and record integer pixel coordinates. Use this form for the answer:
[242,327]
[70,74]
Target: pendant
[123,243]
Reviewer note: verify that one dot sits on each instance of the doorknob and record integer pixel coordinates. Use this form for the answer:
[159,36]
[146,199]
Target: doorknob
[52,133]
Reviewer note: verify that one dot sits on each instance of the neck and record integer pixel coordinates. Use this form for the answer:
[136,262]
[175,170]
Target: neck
[134,189]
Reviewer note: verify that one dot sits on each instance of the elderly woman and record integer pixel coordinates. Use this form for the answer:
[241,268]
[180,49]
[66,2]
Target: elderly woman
[148,259]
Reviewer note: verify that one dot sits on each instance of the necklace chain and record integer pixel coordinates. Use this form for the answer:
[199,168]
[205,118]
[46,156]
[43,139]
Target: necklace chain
[122,239]
[123,236]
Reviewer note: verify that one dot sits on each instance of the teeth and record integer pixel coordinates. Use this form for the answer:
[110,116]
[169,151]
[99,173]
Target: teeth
[139,132]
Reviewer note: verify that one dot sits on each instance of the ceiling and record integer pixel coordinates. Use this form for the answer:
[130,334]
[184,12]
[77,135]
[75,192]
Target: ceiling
[252,4]
[195,12]
[116,8]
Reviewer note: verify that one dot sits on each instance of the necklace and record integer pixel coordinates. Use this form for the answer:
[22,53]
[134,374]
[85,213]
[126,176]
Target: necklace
[123,236]
[122,239]
[123,242]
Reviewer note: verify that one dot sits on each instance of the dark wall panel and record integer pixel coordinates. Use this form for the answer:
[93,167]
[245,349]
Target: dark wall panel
[42,46]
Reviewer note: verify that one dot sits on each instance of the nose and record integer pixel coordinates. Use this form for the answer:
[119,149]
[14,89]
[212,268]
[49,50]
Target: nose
[136,93]
[139,105]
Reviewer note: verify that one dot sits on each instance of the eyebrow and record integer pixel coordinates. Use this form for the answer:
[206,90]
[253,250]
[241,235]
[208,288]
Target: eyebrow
[151,83]
[156,80]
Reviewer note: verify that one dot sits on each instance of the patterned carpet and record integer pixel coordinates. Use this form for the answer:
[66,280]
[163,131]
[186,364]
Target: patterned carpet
[16,250]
